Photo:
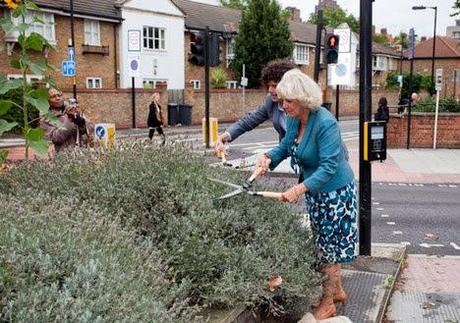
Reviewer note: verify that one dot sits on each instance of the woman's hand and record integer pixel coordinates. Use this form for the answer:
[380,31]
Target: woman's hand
[220,148]
[293,194]
[263,162]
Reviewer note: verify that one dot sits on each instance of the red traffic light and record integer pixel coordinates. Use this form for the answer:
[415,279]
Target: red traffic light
[332,41]
[196,37]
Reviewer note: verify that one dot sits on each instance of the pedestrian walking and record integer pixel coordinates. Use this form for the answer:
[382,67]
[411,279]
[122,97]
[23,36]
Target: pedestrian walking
[270,109]
[326,180]
[155,118]
[383,112]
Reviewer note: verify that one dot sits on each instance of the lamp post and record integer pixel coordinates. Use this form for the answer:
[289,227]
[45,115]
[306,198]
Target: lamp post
[434,42]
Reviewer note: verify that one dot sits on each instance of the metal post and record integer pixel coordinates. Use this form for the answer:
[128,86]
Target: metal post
[319,30]
[409,107]
[133,100]
[436,120]
[365,113]
[337,100]
[72,35]
[455,83]
[434,50]
[244,88]
[206,82]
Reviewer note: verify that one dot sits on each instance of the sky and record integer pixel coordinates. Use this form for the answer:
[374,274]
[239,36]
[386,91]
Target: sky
[395,15]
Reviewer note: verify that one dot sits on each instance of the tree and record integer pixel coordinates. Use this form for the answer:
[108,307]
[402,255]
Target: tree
[24,62]
[334,16]
[402,40]
[263,36]
[456,7]
[380,39]
[236,4]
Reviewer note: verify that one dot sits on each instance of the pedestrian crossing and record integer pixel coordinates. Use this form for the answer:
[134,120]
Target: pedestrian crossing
[262,146]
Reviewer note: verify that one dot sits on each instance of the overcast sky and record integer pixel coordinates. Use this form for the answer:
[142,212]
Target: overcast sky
[395,15]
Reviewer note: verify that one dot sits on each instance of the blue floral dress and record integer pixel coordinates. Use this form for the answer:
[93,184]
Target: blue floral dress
[333,218]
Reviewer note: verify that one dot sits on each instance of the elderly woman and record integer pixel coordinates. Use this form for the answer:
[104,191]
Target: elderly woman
[325,179]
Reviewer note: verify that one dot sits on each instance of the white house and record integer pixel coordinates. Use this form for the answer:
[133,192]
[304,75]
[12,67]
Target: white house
[151,36]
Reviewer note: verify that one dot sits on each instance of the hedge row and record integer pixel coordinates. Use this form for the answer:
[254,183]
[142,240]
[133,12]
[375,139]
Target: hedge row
[138,233]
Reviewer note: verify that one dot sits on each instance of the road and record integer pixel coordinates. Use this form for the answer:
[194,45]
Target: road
[425,217]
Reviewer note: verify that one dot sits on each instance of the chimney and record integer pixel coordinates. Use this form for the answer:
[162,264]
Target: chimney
[383,31]
[457,22]
[294,13]
[423,38]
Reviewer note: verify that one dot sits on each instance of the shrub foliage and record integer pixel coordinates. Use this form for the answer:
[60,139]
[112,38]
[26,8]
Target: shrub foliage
[136,233]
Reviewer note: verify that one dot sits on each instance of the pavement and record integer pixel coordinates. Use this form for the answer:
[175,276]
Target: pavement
[388,286]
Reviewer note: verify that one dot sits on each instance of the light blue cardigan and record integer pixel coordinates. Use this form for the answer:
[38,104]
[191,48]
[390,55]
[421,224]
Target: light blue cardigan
[321,154]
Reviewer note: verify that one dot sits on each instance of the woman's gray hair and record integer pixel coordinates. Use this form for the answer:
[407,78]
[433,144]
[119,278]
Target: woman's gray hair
[296,85]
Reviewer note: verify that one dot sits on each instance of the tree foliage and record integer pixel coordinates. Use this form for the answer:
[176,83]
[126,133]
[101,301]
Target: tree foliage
[263,36]
[236,4]
[380,39]
[334,16]
[402,40]
[456,7]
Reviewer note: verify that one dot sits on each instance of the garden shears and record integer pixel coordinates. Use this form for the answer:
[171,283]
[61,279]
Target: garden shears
[246,187]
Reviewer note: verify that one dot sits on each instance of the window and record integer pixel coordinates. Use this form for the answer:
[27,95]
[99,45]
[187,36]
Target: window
[151,83]
[93,83]
[30,78]
[92,33]
[46,29]
[379,63]
[301,54]
[230,53]
[196,84]
[154,38]
[232,84]
[456,34]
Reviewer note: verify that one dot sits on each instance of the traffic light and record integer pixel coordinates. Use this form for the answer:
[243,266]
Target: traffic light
[197,48]
[214,49]
[332,48]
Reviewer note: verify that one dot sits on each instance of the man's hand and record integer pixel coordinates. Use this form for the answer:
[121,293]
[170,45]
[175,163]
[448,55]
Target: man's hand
[220,148]
[263,162]
[293,194]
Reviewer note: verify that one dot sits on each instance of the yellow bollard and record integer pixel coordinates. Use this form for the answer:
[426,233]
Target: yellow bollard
[213,130]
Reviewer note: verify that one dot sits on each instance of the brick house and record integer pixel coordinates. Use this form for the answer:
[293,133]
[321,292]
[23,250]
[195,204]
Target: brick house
[95,25]
[447,57]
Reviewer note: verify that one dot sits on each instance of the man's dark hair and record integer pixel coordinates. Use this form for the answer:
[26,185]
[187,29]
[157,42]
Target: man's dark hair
[275,69]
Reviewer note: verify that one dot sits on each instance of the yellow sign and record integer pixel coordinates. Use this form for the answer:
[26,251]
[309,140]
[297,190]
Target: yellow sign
[104,133]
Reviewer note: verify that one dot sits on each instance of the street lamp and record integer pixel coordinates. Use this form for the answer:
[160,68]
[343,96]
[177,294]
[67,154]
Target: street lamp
[434,42]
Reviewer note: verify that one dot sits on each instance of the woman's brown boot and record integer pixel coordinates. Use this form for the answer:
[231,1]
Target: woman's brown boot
[326,307]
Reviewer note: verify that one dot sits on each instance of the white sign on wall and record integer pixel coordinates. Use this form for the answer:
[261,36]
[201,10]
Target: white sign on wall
[134,61]
[134,40]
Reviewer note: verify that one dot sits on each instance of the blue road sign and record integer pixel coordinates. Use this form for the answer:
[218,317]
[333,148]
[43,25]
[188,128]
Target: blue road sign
[100,131]
[71,54]
[68,68]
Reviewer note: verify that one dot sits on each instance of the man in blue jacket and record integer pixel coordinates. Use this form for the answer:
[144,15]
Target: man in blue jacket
[270,109]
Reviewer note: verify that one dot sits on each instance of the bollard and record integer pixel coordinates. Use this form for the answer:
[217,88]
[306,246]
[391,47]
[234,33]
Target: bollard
[213,130]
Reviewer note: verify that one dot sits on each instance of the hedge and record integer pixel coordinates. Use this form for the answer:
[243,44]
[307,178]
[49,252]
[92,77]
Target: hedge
[138,233]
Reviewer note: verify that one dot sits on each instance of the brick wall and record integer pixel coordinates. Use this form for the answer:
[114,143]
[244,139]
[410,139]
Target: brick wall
[114,106]
[227,105]
[88,65]
[448,66]
[422,131]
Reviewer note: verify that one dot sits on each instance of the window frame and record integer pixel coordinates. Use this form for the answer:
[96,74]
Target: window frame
[151,37]
[196,84]
[49,25]
[305,59]
[92,24]
[93,79]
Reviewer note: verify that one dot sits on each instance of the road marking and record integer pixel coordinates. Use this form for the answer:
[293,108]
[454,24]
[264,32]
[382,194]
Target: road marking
[405,243]
[452,185]
[456,247]
[376,203]
[397,232]
[391,223]
[380,209]
[385,215]
[430,245]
